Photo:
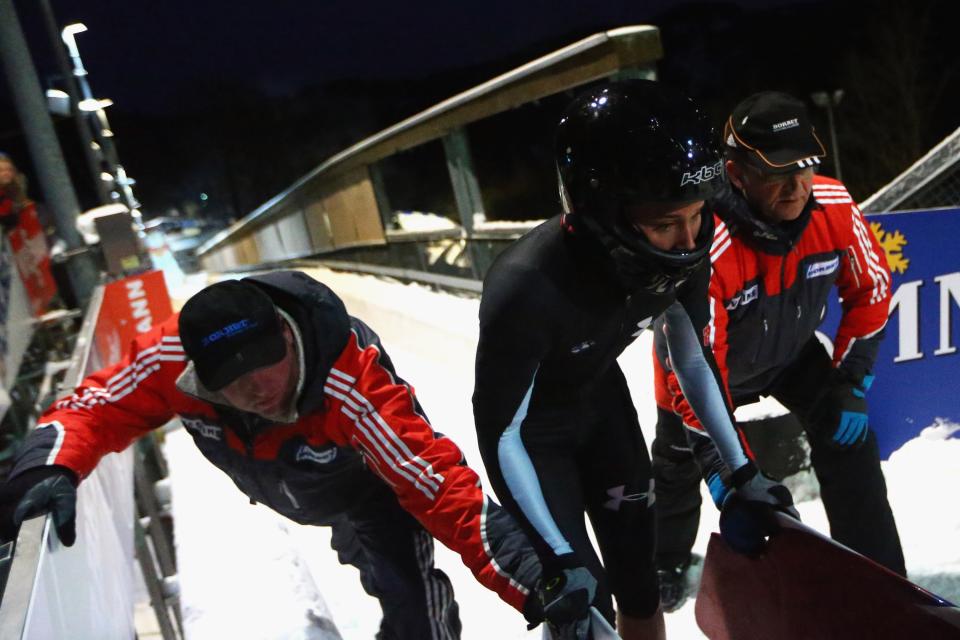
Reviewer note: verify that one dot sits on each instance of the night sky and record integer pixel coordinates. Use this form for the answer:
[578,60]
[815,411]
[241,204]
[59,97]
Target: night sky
[143,54]
[244,97]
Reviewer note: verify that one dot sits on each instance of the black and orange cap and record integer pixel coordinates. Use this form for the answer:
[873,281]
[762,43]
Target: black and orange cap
[775,132]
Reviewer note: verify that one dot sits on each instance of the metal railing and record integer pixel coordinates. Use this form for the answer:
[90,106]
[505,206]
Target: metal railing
[342,203]
[931,182]
[33,557]
[445,259]
[86,591]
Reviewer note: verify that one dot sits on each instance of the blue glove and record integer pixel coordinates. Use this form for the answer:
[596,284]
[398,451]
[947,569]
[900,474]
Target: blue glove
[746,519]
[566,598]
[49,489]
[844,411]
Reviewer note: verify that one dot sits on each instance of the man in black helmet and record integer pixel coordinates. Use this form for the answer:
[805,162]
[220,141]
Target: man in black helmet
[557,429]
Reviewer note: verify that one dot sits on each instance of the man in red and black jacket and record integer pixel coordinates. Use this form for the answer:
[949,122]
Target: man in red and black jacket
[784,238]
[299,404]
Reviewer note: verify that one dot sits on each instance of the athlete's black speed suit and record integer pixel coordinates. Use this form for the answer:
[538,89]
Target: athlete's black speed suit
[557,429]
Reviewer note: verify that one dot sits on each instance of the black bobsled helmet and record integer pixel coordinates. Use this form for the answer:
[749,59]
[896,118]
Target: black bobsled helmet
[636,142]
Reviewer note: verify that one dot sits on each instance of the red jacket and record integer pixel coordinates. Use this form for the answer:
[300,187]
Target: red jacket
[766,305]
[9,210]
[359,426]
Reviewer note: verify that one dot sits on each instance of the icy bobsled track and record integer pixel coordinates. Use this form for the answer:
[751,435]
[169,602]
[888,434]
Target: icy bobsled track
[246,572]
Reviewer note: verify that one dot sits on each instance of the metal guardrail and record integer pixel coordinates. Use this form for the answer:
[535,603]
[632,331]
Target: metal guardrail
[41,597]
[936,163]
[630,48]
[427,257]
[411,275]
[27,552]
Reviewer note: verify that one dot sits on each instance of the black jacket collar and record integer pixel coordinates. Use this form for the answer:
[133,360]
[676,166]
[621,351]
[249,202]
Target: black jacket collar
[769,237]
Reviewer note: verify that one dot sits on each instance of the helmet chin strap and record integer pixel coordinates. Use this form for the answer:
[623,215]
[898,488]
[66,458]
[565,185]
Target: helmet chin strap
[632,269]
[637,274]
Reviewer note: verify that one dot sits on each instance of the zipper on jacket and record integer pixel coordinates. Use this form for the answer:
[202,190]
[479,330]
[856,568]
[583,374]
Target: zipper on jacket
[247,438]
[624,314]
[763,337]
[854,265]
[249,447]
[756,354]
[783,274]
[289,494]
[782,294]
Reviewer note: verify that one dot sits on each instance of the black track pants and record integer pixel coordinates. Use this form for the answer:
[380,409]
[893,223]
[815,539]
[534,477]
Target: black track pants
[395,557]
[676,478]
[852,486]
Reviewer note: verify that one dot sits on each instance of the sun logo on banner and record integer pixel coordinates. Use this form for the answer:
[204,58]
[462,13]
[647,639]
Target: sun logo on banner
[892,244]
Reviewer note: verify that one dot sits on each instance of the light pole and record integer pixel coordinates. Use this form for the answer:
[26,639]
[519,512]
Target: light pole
[44,147]
[829,100]
[67,102]
[102,144]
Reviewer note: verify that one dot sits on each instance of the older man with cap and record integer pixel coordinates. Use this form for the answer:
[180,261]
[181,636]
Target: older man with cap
[784,238]
[299,404]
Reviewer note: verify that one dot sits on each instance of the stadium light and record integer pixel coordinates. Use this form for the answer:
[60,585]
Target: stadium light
[829,100]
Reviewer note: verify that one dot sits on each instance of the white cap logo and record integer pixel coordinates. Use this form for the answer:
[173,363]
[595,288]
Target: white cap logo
[786,124]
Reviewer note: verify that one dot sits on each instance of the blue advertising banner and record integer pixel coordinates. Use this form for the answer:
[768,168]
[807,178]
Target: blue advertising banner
[918,369]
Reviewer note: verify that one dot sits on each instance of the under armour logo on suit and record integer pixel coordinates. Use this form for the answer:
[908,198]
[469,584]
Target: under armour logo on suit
[643,324]
[617,497]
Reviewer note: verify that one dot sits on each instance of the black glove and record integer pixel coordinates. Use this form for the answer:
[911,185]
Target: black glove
[49,489]
[566,598]
[533,610]
[746,519]
[843,410]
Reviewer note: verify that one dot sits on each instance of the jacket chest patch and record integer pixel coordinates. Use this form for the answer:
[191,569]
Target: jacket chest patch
[743,298]
[205,429]
[824,268]
[322,456]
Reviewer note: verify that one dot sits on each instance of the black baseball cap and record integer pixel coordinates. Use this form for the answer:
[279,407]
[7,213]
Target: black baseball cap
[774,131]
[230,329]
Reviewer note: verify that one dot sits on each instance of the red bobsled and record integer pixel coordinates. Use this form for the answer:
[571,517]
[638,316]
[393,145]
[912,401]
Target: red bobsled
[806,586]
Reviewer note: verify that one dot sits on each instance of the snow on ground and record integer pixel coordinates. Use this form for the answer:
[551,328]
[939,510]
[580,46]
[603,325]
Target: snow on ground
[241,575]
[248,551]
[426,221]
[182,288]
[423,221]
[922,480]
